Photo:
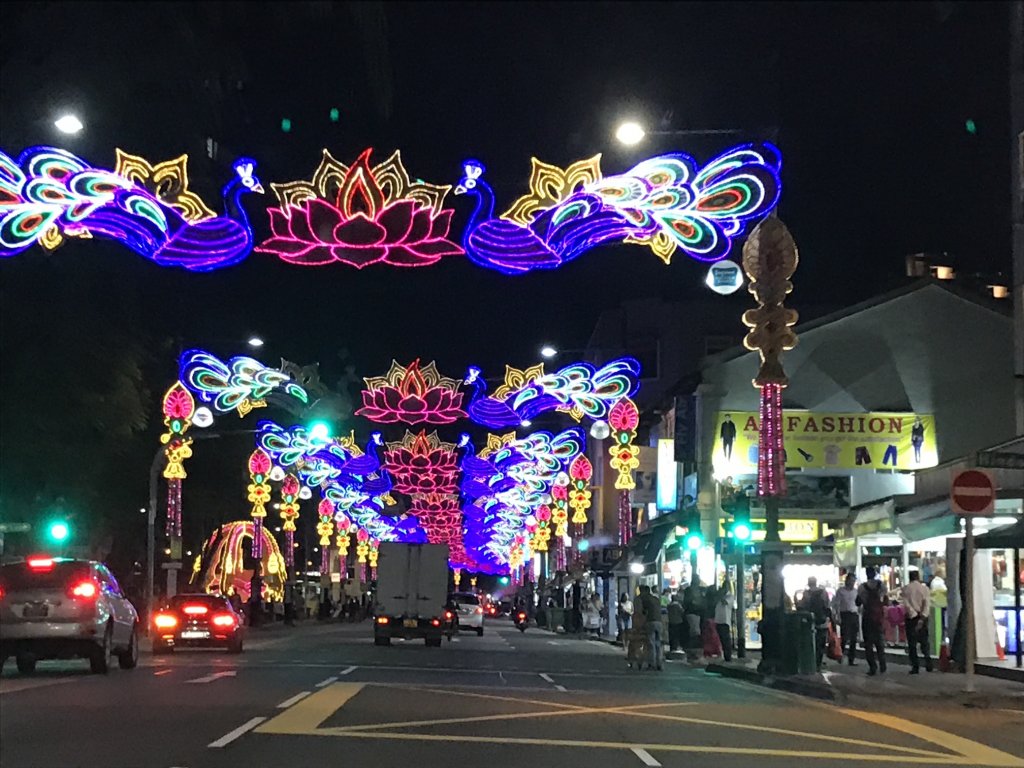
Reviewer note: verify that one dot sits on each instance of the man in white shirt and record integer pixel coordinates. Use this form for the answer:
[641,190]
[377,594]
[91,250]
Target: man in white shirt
[917,607]
[844,608]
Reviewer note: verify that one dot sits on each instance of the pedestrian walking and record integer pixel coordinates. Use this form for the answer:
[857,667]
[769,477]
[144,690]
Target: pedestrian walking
[651,607]
[870,597]
[624,615]
[844,608]
[917,608]
[815,601]
[693,598]
[723,620]
[676,623]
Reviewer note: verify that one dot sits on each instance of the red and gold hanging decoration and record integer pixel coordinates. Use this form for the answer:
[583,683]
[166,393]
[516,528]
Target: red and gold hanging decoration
[325,527]
[178,408]
[580,472]
[623,418]
[259,496]
[372,556]
[362,551]
[289,514]
[540,539]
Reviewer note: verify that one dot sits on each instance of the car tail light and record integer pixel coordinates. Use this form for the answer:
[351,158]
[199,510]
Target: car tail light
[448,615]
[1,593]
[223,620]
[522,616]
[435,622]
[42,564]
[479,609]
[86,589]
[195,610]
[165,621]
[382,619]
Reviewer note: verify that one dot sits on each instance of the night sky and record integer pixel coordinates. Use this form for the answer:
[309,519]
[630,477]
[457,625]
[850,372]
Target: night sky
[869,103]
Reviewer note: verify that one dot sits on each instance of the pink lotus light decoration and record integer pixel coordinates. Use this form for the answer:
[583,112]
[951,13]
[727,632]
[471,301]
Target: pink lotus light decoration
[179,403]
[624,415]
[422,464]
[412,395]
[360,215]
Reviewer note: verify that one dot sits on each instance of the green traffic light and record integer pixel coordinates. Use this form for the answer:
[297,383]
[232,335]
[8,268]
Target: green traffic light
[335,114]
[503,580]
[59,530]
[286,125]
[741,531]
[694,540]
[320,430]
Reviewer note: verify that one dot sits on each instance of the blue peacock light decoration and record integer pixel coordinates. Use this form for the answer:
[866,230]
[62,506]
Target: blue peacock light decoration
[668,198]
[48,188]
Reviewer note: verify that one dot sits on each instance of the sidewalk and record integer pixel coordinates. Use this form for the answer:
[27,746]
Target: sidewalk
[846,684]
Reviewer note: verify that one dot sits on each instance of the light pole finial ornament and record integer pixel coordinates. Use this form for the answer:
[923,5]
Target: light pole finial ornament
[770,258]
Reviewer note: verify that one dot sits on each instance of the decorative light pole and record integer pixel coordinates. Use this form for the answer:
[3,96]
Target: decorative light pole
[178,408]
[623,418]
[770,258]
[325,528]
[289,514]
[259,494]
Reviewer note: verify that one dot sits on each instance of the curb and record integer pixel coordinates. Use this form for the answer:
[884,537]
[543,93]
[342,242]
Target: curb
[797,685]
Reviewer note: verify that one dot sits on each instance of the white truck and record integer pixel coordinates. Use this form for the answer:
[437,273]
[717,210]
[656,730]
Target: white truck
[412,589]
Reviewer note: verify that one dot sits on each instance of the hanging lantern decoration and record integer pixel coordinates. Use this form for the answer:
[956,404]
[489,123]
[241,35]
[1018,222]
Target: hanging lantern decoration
[580,472]
[259,496]
[372,555]
[559,513]
[178,408]
[540,543]
[342,540]
[289,514]
[362,551]
[623,418]
[325,527]
[457,577]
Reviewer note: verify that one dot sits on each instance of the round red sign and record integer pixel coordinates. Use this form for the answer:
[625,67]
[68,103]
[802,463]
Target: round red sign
[973,492]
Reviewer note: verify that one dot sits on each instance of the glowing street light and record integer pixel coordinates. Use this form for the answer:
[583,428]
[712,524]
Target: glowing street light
[69,124]
[547,351]
[319,430]
[630,133]
[255,342]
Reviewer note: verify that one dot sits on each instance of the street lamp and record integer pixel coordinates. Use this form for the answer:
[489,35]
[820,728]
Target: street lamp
[632,133]
[69,124]
[255,342]
[547,351]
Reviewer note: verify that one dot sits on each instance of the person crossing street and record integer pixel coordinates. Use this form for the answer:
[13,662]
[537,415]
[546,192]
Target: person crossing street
[651,607]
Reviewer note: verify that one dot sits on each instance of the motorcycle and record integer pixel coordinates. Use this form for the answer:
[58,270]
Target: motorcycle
[521,620]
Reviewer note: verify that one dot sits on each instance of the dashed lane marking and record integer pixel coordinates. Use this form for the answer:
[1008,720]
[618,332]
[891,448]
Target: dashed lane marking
[560,688]
[348,670]
[212,677]
[230,736]
[546,677]
[293,700]
[328,681]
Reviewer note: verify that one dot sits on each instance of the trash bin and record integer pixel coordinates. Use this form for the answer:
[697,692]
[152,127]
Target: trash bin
[798,653]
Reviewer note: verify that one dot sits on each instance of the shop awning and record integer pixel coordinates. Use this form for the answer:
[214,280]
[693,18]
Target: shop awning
[646,545]
[1004,538]
[927,521]
[879,517]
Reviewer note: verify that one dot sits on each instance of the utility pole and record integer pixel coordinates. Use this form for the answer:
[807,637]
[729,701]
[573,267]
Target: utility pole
[1016,11]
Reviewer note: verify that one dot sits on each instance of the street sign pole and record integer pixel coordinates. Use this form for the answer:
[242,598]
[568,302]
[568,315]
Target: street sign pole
[741,606]
[969,605]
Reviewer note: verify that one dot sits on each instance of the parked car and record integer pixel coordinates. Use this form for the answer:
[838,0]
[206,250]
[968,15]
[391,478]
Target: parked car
[197,621]
[469,613]
[64,608]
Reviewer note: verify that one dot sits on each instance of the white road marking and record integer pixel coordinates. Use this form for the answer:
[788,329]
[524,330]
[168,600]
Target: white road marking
[645,757]
[211,678]
[560,688]
[227,738]
[162,672]
[546,678]
[293,700]
[347,670]
[328,681]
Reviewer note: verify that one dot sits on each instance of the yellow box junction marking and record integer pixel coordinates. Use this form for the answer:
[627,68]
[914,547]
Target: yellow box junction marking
[306,717]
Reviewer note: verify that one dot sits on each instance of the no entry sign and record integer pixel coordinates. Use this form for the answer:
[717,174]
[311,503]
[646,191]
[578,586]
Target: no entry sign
[973,493]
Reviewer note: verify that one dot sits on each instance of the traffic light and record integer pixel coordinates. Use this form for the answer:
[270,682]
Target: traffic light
[335,114]
[693,539]
[503,581]
[58,531]
[739,527]
[286,125]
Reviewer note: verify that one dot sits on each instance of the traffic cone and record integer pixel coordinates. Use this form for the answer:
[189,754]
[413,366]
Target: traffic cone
[1000,653]
[944,665]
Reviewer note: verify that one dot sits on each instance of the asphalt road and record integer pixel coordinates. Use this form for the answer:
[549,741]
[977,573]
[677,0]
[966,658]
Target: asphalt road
[325,695]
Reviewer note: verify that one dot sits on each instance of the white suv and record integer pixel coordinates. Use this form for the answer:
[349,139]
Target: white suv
[61,608]
[469,612]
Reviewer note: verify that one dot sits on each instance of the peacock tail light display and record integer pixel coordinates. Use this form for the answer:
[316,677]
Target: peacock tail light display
[225,567]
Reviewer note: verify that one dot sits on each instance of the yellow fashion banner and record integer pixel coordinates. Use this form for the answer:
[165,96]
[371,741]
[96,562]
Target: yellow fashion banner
[829,441]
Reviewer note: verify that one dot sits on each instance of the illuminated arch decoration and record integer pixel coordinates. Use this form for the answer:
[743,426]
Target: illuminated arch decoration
[225,572]
[360,215]
[667,202]
[289,514]
[576,386]
[624,419]
[259,494]
[412,395]
[580,472]
[48,192]
[178,407]
[422,463]
[241,383]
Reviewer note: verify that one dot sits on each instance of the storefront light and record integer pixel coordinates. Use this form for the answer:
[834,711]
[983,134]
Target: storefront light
[636,568]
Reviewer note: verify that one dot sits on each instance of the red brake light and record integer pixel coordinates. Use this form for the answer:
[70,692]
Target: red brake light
[479,609]
[1,593]
[382,619]
[447,614]
[40,563]
[195,610]
[165,621]
[87,589]
[435,622]
[223,620]
[522,615]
